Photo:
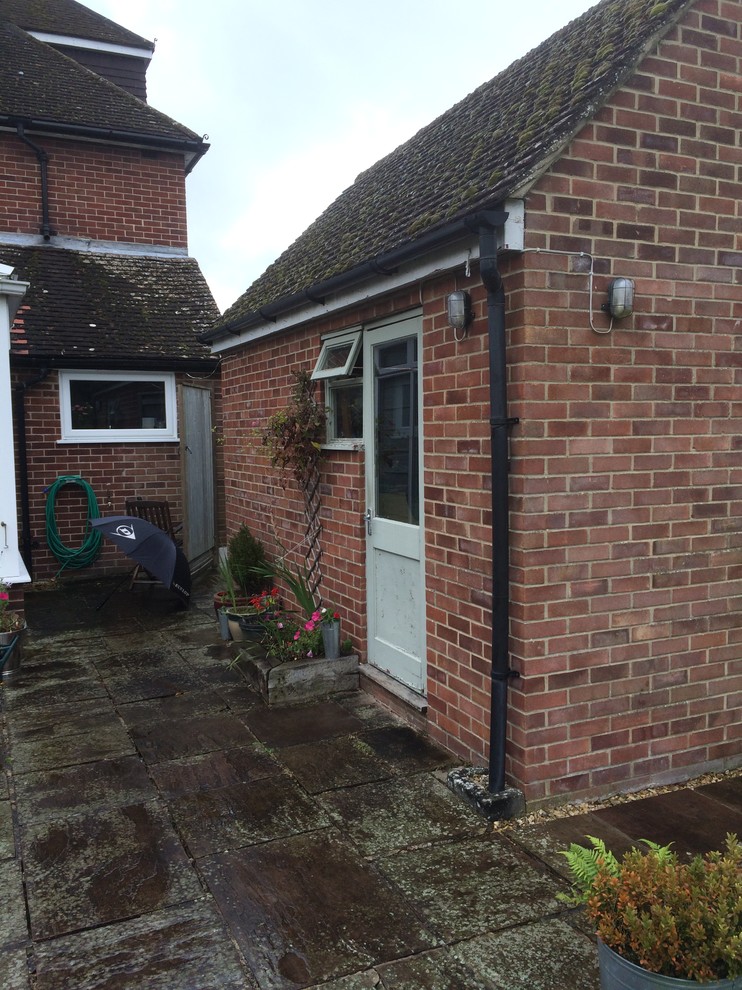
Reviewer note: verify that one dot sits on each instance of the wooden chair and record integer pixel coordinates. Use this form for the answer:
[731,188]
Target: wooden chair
[157,513]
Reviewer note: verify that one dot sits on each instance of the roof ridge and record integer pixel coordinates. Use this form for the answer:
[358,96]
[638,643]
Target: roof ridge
[487,146]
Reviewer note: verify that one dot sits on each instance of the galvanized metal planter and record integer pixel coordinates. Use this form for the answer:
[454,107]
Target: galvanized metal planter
[617,973]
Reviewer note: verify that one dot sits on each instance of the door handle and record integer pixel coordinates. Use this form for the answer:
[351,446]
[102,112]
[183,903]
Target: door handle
[367,517]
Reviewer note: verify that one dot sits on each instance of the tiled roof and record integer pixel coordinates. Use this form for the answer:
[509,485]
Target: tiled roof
[39,84]
[472,157]
[86,308]
[69,18]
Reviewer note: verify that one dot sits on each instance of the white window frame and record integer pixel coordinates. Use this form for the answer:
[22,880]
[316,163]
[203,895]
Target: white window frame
[167,433]
[331,390]
[333,342]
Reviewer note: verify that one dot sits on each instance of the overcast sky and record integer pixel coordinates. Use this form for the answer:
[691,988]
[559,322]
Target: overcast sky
[299,96]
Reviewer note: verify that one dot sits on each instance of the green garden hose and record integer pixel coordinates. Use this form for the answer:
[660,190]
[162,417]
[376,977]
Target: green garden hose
[85,554]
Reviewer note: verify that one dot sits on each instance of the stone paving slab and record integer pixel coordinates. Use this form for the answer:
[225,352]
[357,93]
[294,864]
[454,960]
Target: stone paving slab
[29,691]
[394,814]
[86,871]
[7,840]
[59,718]
[332,763]
[213,770]
[434,970]
[141,674]
[405,750]
[308,909]
[107,740]
[183,948]
[182,737]
[690,820]
[465,888]
[176,706]
[93,787]
[548,955]
[14,973]
[13,930]
[244,814]
[280,727]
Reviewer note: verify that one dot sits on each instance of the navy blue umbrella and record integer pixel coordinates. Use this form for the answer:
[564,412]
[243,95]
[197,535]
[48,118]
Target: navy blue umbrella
[151,548]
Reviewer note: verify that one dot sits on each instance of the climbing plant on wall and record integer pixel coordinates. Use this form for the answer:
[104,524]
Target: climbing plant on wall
[293,438]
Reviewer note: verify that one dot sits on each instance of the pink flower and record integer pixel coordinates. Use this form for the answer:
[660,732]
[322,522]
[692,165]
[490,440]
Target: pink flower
[4,596]
[309,626]
[297,634]
[310,654]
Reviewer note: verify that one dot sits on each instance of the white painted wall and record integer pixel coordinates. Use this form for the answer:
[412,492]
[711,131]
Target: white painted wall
[12,568]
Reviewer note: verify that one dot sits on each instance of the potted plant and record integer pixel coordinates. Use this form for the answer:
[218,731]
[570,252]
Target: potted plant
[662,922]
[11,622]
[329,621]
[248,621]
[12,625]
[248,563]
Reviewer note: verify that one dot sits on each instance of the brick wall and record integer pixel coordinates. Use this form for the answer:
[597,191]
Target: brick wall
[110,194]
[626,476]
[114,471]
[627,487]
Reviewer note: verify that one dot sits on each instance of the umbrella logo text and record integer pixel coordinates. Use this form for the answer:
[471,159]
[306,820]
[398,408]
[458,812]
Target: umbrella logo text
[126,531]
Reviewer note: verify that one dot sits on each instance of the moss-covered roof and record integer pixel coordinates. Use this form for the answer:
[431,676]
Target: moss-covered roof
[85,308]
[70,19]
[40,85]
[472,157]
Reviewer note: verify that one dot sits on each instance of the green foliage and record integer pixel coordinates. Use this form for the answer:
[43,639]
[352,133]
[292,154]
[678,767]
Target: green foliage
[677,918]
[293,436]
[227,579]
[296,581]
[247,561]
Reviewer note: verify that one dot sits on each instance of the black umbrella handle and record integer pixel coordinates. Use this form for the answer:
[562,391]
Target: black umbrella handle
[126,577]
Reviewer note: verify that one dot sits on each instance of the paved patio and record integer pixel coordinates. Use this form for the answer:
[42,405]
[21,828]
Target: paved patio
[162,829]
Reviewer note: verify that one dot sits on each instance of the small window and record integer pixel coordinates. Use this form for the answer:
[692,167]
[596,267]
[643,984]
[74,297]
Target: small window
[345,410]
[338,355]
[108,407]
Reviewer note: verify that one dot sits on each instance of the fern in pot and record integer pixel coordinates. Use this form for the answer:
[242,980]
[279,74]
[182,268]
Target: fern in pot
[662,922]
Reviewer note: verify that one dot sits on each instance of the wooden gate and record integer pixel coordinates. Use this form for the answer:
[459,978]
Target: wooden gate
[197,460]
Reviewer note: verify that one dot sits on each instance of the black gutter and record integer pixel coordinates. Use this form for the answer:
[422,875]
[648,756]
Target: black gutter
[195,146]
[140,363]
[499,429]
[43,159]
[20,418]
[382,264]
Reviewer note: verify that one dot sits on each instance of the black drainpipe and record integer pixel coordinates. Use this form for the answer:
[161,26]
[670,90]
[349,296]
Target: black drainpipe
[20,420]
[43,160]
[499,427]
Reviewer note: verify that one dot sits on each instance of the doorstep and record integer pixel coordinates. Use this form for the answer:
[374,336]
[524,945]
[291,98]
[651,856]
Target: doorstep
[293,681]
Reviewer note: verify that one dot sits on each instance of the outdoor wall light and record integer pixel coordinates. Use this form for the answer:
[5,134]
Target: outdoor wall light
[620,298]
[458,305]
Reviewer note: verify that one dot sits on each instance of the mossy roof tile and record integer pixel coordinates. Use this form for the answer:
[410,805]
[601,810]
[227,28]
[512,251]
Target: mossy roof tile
[475,155]
[94,308]
[70,19]
[38,83]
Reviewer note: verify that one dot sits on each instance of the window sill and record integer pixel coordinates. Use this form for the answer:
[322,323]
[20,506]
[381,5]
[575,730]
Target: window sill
[343,445]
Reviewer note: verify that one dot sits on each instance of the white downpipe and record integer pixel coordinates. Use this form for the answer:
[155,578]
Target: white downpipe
[12,568]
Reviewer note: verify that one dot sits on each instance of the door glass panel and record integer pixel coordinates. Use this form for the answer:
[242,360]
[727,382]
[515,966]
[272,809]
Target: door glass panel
[396,429]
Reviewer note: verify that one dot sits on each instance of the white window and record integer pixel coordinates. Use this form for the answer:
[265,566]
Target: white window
[340,365]
[338,355]
[115,407]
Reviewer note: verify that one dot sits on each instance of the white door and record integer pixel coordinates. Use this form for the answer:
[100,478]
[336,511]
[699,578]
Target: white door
[394,534]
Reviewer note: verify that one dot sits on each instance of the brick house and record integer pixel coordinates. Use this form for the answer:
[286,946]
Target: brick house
[610,479]
[109,380]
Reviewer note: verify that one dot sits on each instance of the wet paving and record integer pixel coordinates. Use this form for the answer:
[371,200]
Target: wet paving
[162,829]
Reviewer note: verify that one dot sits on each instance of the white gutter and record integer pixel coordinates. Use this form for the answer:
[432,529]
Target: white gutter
[12,568]
[438,262]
